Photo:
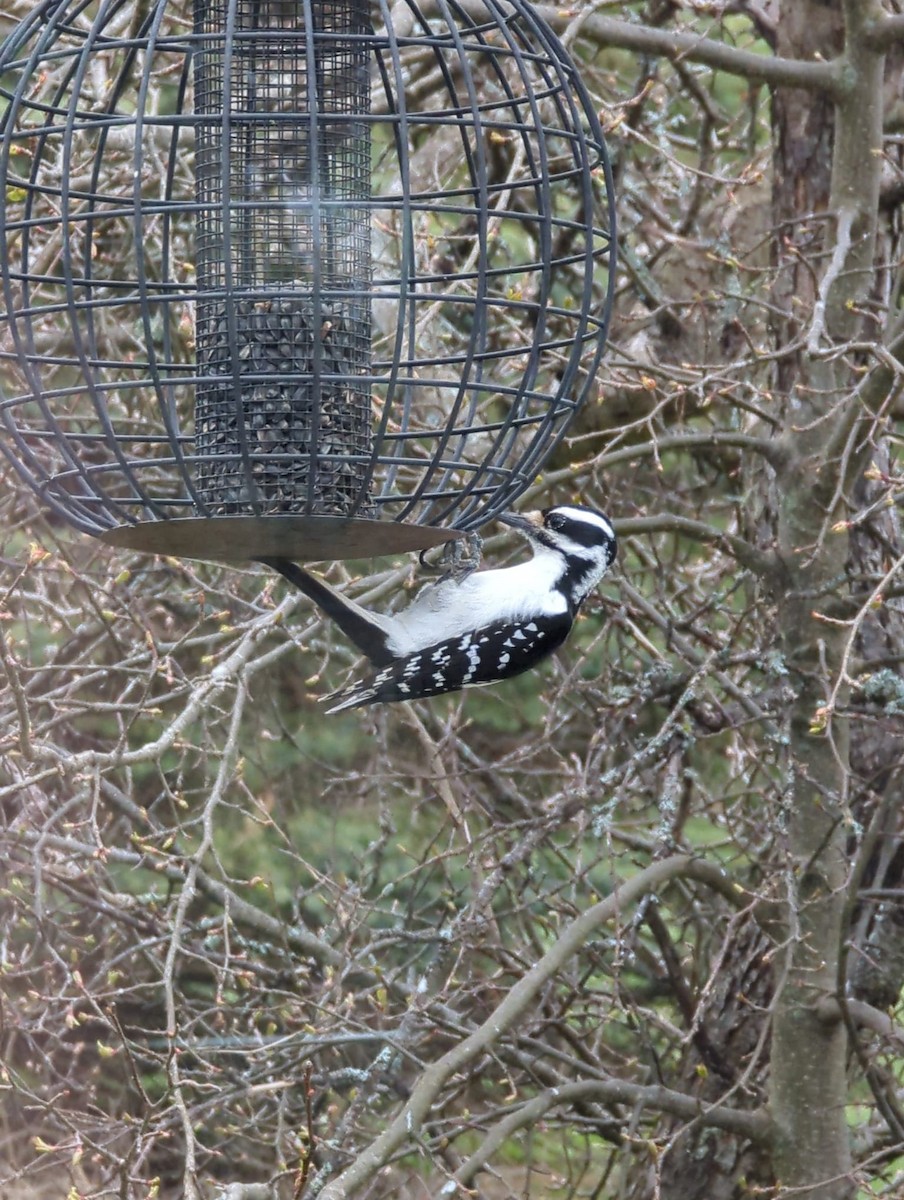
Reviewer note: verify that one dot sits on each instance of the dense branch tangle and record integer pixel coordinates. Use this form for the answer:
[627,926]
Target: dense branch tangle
[545,939]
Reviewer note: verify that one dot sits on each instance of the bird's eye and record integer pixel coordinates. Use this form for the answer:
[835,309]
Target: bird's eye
[555,521]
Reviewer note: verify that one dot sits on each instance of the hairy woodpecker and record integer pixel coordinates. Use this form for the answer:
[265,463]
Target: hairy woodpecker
[489,626]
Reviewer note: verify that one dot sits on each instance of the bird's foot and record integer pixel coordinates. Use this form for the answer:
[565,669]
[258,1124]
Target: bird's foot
[457,559]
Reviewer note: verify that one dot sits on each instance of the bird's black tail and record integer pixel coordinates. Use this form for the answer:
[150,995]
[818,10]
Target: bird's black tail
[357,625]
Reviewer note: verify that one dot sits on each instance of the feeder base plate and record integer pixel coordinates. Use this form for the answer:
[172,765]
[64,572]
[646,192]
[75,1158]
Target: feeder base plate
[302,539]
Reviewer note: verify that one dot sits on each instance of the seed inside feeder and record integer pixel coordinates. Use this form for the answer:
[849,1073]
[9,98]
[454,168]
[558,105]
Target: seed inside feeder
[282,401]
[284,398]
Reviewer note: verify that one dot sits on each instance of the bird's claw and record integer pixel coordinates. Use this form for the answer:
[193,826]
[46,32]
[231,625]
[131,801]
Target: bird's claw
[457,559]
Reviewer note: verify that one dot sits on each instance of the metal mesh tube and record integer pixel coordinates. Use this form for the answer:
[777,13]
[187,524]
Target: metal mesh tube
[283,256]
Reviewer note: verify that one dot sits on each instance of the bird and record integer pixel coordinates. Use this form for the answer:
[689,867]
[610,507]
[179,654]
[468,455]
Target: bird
[469,632]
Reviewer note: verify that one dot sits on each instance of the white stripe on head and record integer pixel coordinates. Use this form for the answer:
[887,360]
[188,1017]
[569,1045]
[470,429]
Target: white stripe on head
[587,516]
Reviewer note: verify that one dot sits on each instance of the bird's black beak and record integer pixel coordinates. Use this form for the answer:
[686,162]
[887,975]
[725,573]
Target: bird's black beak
[527,523]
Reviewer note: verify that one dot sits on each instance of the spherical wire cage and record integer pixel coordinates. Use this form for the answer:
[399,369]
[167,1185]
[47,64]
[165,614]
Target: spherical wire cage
[310,278]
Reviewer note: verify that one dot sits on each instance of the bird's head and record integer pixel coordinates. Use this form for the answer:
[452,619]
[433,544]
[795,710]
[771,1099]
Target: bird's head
[567,530]
[583,538]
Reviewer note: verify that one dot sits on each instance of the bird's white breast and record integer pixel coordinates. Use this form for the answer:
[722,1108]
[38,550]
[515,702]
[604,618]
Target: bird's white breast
[448,609]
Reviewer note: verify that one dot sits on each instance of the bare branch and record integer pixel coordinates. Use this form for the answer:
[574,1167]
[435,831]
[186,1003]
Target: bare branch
[864,1015]
[883,31]
[753,1125]
[674,45]
[434,1077]
[755,560]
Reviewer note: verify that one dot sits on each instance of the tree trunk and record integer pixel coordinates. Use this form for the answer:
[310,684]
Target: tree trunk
[826,181]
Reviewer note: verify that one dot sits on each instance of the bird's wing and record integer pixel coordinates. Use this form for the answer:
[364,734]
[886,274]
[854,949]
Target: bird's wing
[495,652]
[370,632]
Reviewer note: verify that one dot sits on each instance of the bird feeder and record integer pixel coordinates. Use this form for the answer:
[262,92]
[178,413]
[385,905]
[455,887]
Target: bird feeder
[309,278]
